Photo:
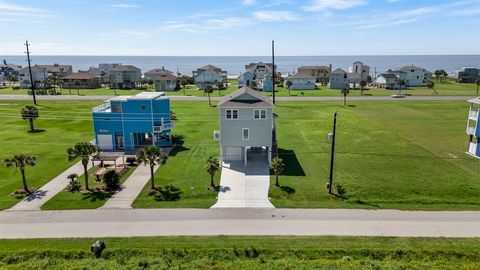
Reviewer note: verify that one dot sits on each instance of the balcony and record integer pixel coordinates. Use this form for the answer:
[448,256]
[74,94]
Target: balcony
[471,130]
[103,108]
[163,127]
[473,115]
[472,148]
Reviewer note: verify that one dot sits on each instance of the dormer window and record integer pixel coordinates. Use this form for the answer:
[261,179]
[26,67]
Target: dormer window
[231,114]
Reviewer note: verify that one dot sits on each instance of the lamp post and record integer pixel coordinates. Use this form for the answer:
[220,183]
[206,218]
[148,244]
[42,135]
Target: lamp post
[331,137]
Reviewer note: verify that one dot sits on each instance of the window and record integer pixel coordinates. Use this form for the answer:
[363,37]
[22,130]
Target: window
[231,114]
[245,134]
[260,114]
[116,108]
[143,107]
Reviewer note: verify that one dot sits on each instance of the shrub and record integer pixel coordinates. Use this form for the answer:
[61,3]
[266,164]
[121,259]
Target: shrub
[16,87]
[111,180]
[73,185]
[341,191]
[170,193]
[131,161]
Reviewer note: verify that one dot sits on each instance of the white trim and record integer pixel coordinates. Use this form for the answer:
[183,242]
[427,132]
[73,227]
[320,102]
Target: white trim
[260,114]
[243,134]
[231,110]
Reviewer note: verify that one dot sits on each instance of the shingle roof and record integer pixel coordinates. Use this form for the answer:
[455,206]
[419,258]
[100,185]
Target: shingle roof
[210,67]
[56,67]
[34,69]
[125,68]
[339,70]
[80,76]
[388,75]
[314,67]
[301,75]
[258,101]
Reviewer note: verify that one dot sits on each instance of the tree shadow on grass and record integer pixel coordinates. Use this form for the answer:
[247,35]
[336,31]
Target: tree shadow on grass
[97,195]
[292,165]
[287,189]
[178,141]
[37,131]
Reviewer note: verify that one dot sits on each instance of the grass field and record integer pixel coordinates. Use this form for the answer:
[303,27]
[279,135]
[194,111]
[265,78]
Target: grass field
[449,88]
[83,199]
[403,155]
[221,252]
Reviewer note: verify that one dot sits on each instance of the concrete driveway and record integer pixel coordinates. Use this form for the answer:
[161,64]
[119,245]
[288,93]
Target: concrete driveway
[245,187]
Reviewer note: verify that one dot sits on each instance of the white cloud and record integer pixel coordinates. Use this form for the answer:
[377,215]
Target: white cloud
[120,5]
[14,10]
[249,2]
[319,5]
[274,16]
[385,24]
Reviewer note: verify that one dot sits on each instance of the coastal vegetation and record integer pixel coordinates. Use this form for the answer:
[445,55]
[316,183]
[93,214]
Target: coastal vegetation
[243,252]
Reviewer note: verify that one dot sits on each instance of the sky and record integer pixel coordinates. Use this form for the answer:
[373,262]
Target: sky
[240,27]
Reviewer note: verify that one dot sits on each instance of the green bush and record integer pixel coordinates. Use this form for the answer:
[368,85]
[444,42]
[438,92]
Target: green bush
[131,161]
[111,180]
[170,193]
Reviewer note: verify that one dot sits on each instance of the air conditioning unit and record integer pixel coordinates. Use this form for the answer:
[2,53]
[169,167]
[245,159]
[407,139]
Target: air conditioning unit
[216,135]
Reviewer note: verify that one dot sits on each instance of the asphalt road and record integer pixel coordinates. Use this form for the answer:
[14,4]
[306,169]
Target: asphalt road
[194,98]
[172,222]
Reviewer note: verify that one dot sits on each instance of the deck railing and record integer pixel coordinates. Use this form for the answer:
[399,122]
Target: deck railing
[472,149]
[102,108]
[473,115]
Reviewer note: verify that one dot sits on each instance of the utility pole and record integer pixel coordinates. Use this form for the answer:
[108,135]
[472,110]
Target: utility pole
[32,84]
[273,69]
[332,155]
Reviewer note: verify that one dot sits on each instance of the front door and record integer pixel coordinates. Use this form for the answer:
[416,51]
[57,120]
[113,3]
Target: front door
[120,142]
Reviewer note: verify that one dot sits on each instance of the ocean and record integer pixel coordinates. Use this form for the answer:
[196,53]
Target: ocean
[236,64]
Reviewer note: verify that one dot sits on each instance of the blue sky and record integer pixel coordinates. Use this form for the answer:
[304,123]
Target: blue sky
[240,27]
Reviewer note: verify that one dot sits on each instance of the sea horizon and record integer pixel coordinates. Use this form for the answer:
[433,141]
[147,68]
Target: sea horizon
[234,65]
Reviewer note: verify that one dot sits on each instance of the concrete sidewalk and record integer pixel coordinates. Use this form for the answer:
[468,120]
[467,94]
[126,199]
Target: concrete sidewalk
[130,189]
[49,190]
[245,186]
[171,222]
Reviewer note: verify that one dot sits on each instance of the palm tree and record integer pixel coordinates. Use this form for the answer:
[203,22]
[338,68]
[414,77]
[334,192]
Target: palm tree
[184,83]
[277,167]
[438,73]
[289,84]
[363,83]
[76,83]
[30,113]
[151,156]
[84,151]
[220,85]
[477,82]
[20,162]
[345,92]
[212,166]
[431,85]
[208,90]
[402,84]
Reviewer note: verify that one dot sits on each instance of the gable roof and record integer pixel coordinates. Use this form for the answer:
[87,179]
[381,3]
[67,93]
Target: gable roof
[410,67]
[210,67]
[34,69]
[56,67]
[313,67]
[80,76]
[159,71]
[301,75]
[120,68]
[257,100]
[389,76]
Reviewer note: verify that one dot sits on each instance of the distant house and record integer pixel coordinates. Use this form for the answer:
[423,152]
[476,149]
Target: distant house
[246,126]
[361,69]
[467,75]
[267,83]
[9,70]
[388,81]
[338,79]
[414,76]
[208,74]
[353,79]
[321,73]
[57,70]
[473,128]
[103,70]
[245,79]
[125,77]
[127,123]
[163,79]
[39,75]
[81,81]
[259,70]
[301,81]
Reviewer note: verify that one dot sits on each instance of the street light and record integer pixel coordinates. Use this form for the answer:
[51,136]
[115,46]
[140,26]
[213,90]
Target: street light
[331,137]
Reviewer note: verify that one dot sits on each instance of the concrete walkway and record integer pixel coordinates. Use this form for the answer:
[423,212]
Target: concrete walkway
[245,187]
[170,222]
[131,188]
[49,190]
[292,98]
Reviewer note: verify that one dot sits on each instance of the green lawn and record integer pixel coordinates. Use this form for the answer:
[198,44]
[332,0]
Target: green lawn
[224,252]
[406,155]
[64,124]
[83,200]
[449,88]
[403,155]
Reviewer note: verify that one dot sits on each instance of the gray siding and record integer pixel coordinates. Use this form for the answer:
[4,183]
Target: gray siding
[260,130]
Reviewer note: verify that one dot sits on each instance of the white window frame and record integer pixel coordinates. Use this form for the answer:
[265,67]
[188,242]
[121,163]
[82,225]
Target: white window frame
[243,134]
[260,114]
[231,114]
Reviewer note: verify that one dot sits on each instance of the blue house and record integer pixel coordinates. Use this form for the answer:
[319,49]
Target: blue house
[473,127]
[126,123]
